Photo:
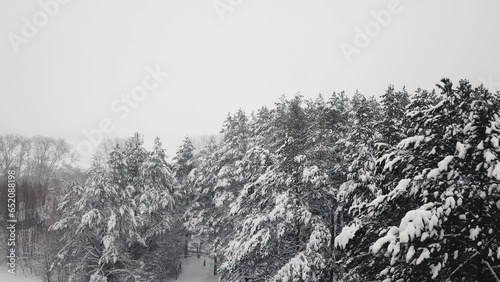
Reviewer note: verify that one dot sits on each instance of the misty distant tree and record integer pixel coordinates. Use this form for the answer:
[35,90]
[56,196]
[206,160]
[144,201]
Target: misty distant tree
[42,165]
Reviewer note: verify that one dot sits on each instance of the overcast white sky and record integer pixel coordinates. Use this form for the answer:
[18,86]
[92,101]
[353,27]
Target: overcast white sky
[65,78]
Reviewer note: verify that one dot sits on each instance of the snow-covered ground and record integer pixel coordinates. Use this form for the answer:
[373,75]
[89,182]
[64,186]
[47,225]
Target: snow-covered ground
[194,271]
[7,277]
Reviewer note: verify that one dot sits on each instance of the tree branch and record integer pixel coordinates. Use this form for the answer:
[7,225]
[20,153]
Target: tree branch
[491,270]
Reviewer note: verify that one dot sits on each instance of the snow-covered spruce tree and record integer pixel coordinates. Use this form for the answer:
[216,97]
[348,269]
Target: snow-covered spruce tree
[185,162]
[439,212]
[200,213]
[116,217]
[235,135]
[70,256]
[162,230]
[338,117]
[421,100]
[263,129]
[253,165]
[184,170]
[373,129]
[394,105]
[359,154]
[230,179]
[218,183]
[282,235]
[328,125]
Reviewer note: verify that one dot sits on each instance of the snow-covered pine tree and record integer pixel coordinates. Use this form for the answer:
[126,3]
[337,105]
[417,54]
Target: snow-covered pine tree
[394,105]
[263,129]
[185,162]
[217,184]
[235,139]
[113,219]
[255,162]
[230,180]
[375,129]
[70,256]
[337,119]
[359,154]
[262,142]
[281,236]
[155,198]
[199,215]
[91,221]
[161,216]
[422,99]
[438,214]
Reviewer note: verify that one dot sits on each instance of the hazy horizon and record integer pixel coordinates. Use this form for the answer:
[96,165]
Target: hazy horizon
[89,53]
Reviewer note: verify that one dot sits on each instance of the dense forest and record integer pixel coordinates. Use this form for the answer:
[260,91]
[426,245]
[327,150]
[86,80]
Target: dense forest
[402,187]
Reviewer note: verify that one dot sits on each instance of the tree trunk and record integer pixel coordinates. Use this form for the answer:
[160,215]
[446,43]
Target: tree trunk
[332,244]
[215,265]
[186,244]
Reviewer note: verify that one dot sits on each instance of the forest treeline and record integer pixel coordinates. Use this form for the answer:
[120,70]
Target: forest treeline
[342,188]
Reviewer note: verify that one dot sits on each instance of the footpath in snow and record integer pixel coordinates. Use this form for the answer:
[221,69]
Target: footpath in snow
[194,271]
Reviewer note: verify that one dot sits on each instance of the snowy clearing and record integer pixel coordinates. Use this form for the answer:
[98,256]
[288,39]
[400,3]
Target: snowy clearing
[7,277]
[194,271]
